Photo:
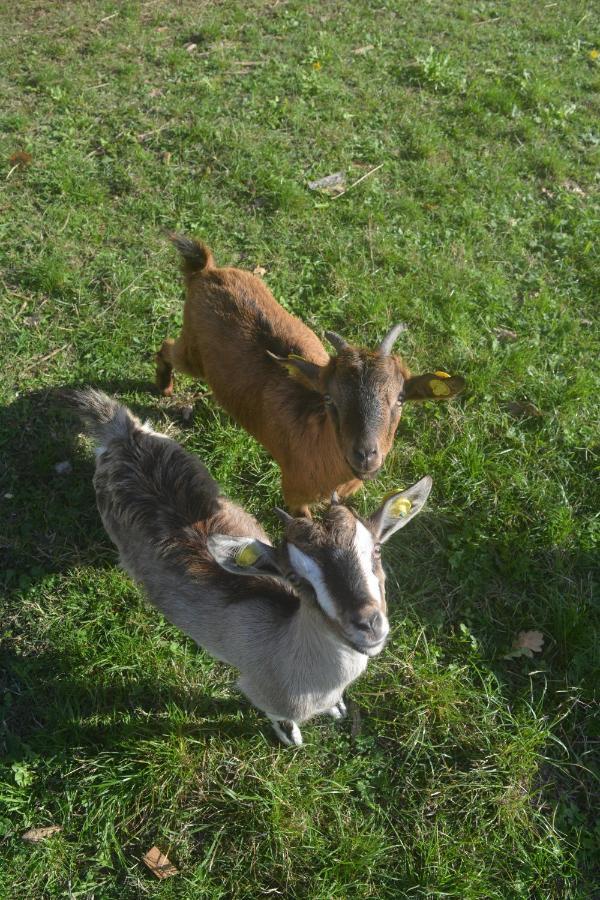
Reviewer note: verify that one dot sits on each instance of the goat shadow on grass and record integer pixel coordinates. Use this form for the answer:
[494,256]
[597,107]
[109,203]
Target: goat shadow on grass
[48,521]
[52,705]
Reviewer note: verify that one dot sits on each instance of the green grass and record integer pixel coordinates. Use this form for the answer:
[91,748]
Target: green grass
[463,774]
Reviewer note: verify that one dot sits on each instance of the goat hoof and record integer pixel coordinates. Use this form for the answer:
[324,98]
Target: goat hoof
[339,711]
[342,708]
[287,732]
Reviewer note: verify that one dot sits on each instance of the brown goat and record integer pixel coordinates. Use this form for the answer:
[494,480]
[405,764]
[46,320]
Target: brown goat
[328,421]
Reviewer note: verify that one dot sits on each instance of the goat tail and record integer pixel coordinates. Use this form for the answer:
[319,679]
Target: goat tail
[196,256]
[104,418]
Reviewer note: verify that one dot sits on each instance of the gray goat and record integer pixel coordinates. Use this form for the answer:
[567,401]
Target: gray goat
[299,621]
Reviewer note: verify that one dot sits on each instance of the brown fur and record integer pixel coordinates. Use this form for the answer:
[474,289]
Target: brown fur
[237,337]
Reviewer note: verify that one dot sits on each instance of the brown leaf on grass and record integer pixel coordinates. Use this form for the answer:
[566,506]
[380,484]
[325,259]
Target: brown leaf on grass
[330,184]
[35,835]
[21,159]
[191,47]
[523,409]
[166,156]
[529,642]
[360,51]
[526,644]
[158,864]
[505,334]
[259,270]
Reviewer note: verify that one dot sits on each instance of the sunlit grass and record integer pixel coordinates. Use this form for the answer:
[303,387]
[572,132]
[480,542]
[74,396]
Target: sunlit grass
[461,772]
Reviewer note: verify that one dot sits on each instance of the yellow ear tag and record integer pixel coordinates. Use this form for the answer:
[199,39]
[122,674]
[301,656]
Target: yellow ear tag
[291,368]
[247,556]
[441,374]
[400,508]
[439,389]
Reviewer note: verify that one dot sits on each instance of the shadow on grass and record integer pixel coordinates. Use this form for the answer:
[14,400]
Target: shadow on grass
[56,706]
[50,523]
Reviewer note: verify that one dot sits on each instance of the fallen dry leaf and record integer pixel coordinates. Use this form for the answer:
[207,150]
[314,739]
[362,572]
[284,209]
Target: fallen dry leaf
[21,159]
[190,47]
[531,641]
[505,334]
[331,184]
[259,270]
[158,864]
[523,409]
[362,50]
[166,156]
[526,644]
[35,835]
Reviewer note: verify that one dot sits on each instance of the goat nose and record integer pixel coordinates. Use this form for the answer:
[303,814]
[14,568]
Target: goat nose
[365,454]
[376,622]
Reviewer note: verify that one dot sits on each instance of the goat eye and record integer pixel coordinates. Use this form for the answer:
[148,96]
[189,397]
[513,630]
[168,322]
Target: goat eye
[377,551]
[294,579]
[327,399]
[400,399]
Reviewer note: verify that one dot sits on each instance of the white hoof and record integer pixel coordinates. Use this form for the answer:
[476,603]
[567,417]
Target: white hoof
[343,709]
[339,711]
[287,732]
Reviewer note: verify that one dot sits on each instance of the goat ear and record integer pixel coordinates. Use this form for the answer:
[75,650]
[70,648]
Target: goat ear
[399,508]
[297,367]
[433,386]
[242,556]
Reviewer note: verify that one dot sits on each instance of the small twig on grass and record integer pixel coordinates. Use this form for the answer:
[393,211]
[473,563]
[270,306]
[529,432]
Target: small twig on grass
[43,359]
[354,183]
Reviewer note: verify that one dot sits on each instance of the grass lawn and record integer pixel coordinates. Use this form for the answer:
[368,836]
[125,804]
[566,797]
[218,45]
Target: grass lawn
[465,771]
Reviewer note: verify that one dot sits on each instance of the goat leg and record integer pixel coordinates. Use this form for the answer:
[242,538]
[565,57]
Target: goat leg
[287,731]
[164,369]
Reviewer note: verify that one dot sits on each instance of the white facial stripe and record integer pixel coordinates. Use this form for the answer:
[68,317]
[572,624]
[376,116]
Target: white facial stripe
[307,568]
[147,427]
[363,545]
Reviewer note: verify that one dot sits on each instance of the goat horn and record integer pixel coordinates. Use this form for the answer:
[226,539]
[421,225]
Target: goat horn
[283,515]
[385,347]
[337,341]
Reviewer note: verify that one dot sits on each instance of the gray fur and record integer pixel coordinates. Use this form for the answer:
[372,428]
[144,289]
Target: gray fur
[164,513]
